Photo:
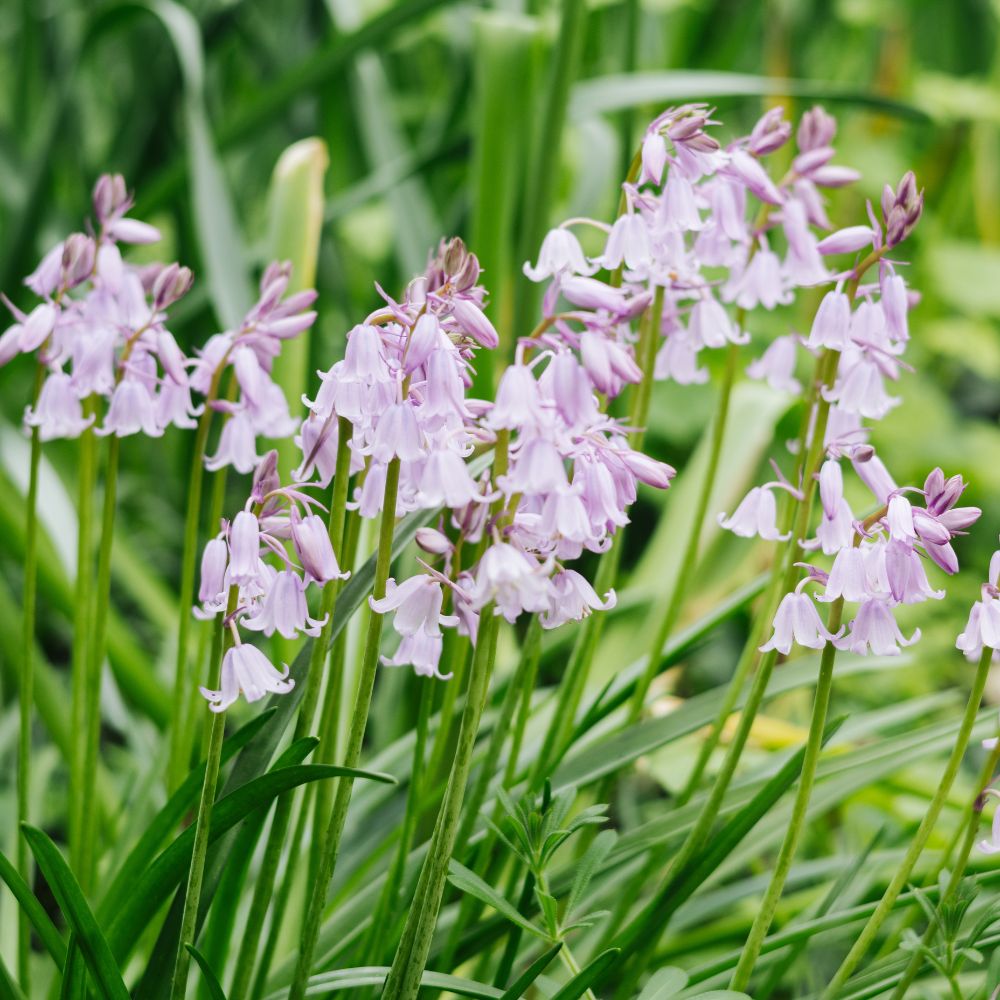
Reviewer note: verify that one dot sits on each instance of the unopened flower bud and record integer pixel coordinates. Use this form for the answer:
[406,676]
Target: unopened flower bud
[265,477]
[816,129]
[214,560]
[847,240]
[686,128]
[901,209]
[453,258]
[171,284]
[433,541]
[110,197]
[771,132]
[311,539]
[78,259]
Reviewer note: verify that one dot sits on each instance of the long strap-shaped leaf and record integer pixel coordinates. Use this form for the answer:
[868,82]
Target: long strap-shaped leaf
[589,975]
[166,872]
[683,884]
[215,990]
[96,953]
[34,911]
[374,975]
[166,820]
[221,243]
[519,987]
[157,976]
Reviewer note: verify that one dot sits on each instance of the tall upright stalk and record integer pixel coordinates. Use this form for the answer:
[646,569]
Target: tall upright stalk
[95,662]
[898,882]
[196,873]
[403,982]
[796,825]
[574,680]
[264,884]
[176,761]
[26,686]
[689,559]
[648,924]
[388,901]
[352,754]
[82,621]
[975,812]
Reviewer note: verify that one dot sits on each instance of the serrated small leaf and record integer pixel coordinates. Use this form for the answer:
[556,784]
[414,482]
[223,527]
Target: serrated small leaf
[468,881]
[586,920]
[549,906]
[588,866]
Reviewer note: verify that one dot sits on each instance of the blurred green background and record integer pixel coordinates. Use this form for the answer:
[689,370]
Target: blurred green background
[493,121]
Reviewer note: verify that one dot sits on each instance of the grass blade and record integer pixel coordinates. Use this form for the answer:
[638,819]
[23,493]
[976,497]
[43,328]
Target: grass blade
[92,944]
[519,987]
[166,872]
[586,978]
[215,990]
[44,928]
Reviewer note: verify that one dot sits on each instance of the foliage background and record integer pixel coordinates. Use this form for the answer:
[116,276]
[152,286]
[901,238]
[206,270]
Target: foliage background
[434,116]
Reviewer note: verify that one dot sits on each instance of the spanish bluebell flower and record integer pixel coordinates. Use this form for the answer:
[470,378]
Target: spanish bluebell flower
[874,629]
[756,515]
[776,365]
[797,621]
[247,671]
[572,598]
[560,253]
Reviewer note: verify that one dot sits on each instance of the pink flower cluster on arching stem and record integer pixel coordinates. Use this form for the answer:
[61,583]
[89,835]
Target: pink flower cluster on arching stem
[880,563]
[101,331]
[251,555]
[402,386]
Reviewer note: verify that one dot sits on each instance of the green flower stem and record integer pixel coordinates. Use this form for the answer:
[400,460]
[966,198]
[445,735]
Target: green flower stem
[177,760]
[26,686]
[403,982]
[689,559]
[895,887]
[648,925]
[82,621]
[264,884]
[797,823]
[957,871]
[192,895]
[332,719]
[455,655]
[278,911]
[388,902]
[574,680]
[206,636]
[95,664]
[527,668]
[520,686]
[352,754]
